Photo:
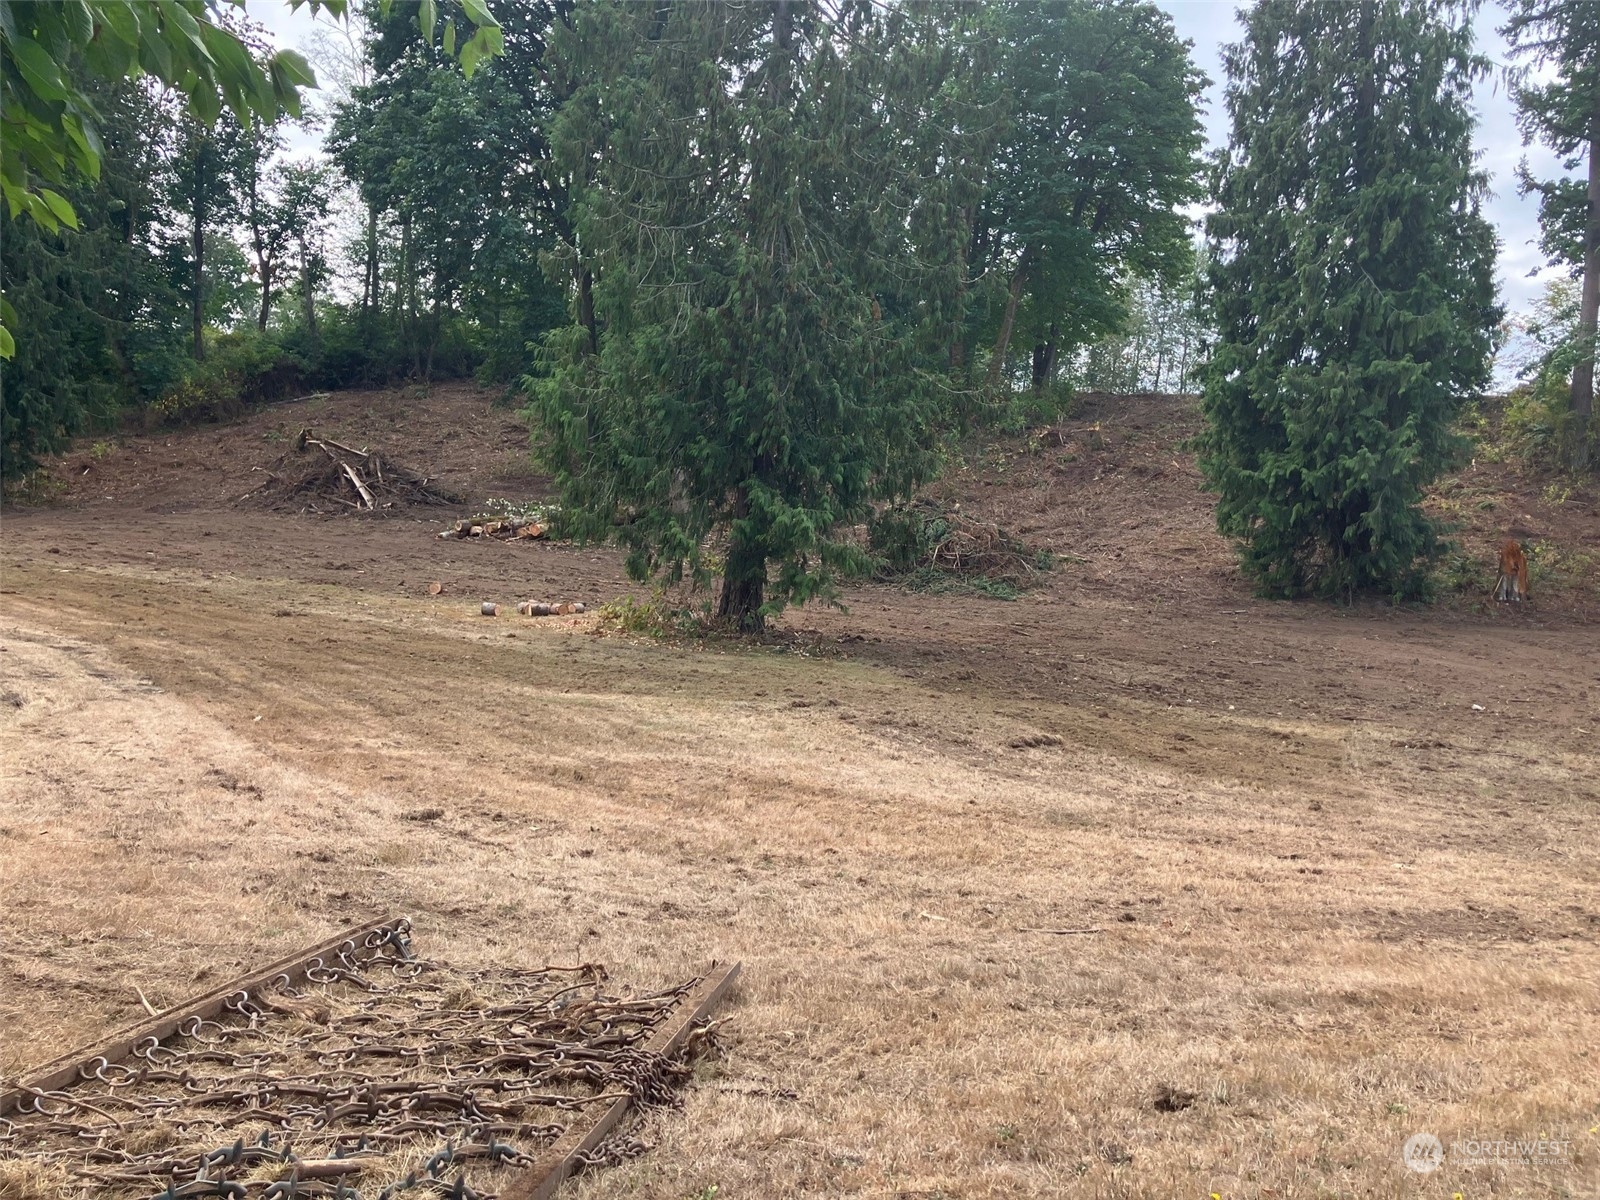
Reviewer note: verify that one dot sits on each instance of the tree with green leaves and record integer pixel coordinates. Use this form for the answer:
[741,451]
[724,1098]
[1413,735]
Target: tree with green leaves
[202,190]
[51,127]
[265,219]
[1100,152]
[1558,101]
[100,317]
[1352,282]
[52,50]
[743,202]
[304,196]
[447,168]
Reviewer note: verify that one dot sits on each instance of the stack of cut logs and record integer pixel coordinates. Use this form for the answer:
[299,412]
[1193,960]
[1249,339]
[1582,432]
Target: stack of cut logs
[504,528]
[536,608]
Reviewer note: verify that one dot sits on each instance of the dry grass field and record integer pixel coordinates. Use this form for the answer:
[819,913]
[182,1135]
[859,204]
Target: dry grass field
[1342,867]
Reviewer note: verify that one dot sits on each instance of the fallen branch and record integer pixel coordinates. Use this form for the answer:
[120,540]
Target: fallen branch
[347,449]
[1062,932]
[360,483]
[271,479]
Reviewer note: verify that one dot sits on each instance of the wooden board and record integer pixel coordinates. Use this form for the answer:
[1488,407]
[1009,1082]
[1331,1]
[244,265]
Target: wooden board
[545,1177]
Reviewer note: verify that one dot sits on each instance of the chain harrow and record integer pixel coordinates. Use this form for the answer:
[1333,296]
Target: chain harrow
[385,1076]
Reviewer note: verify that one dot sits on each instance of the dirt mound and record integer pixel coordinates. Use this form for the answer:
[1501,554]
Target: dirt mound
[463,440]
[1111,491]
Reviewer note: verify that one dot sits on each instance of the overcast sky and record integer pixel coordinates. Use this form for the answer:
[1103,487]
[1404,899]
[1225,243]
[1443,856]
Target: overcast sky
[1211,23]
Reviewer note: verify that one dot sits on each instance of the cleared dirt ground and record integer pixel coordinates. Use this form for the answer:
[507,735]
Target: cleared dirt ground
[1343,865]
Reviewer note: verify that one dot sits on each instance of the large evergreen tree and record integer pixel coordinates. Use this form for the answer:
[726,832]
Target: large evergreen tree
[745,204]
[1560,106]
[1352,277]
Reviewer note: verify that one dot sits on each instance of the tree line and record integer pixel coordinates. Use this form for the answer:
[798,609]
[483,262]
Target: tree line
[754,265]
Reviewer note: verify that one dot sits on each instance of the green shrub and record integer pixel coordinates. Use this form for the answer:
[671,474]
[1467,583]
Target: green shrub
[243,368]
[657,617]
[1539,424]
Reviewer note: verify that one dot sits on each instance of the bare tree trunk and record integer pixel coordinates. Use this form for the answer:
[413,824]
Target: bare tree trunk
[369,285]
[1583,370]
[1044,361]
[1002,343]
[308,292]
[264,269]
[197,306]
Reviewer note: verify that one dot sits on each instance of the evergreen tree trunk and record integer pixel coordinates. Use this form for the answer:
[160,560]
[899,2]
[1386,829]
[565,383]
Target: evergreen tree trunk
[586,308]
[1583,370]
[744,578]
[1002,342]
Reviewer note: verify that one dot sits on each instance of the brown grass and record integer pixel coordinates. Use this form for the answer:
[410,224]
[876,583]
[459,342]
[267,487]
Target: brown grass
[1330,958]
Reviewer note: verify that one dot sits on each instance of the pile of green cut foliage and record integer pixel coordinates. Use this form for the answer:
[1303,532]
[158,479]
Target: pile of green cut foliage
[926,546]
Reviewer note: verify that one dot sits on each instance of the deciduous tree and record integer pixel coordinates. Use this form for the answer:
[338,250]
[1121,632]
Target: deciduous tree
[1558,101]
[1099,155]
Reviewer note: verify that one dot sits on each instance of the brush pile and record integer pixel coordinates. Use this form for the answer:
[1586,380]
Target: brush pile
[922,536]
[342,478]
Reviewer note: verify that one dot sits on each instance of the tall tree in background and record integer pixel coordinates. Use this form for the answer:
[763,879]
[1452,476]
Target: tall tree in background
[1563,38]
[448,170]
[1352,277]
[203,191]
[266,221]
[742,198]
[52,52]
[1101,149]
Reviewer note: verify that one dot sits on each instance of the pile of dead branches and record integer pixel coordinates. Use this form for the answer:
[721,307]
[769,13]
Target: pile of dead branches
[969,547]
[342,478]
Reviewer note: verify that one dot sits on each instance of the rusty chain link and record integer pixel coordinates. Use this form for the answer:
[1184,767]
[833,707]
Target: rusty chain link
[339,1088]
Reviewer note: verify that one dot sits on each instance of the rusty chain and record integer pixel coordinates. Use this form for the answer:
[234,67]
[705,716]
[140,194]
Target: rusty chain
[384,1076]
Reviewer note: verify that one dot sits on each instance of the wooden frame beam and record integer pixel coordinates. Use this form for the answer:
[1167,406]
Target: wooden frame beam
[552,1168]
[116,1047]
